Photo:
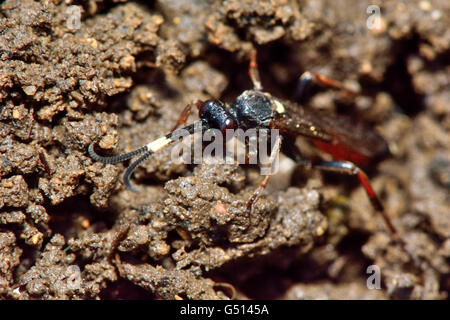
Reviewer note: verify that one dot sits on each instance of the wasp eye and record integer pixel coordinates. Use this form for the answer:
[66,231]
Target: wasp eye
[229,123]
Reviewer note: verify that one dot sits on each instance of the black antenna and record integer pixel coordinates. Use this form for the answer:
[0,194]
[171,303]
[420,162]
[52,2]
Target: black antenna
[148,150]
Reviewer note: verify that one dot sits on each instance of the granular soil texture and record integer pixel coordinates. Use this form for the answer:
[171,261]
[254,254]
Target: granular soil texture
[121,74]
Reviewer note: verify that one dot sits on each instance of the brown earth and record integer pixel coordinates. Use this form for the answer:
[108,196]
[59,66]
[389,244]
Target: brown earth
[70,230]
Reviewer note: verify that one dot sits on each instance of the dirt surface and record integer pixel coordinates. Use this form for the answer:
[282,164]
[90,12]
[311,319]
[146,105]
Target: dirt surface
[121,75]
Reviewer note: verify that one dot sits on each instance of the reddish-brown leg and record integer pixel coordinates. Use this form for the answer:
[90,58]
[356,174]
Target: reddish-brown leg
[258,192]
[185,114]
[253,71]
[346,167]
[307,77]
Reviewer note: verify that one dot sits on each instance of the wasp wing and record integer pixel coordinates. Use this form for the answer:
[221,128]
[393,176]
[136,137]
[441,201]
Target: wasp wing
[345,138]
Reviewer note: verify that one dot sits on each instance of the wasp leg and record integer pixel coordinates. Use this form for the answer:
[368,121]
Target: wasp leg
[253,71]
[255,196]
[346,167]
[307,77]
[350,168]
[257,193]
[182,119]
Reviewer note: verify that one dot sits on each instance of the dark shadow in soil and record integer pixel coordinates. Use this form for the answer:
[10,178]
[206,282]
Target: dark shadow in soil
[397,80]
[125,290]
[63,216]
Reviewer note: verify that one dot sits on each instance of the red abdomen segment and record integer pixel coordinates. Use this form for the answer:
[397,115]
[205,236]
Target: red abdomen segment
[343,152]
[352,141]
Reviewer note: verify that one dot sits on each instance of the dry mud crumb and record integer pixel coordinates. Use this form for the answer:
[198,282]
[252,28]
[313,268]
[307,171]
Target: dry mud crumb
[122,78]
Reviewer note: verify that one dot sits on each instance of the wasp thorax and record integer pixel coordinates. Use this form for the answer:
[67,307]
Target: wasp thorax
[254,109]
